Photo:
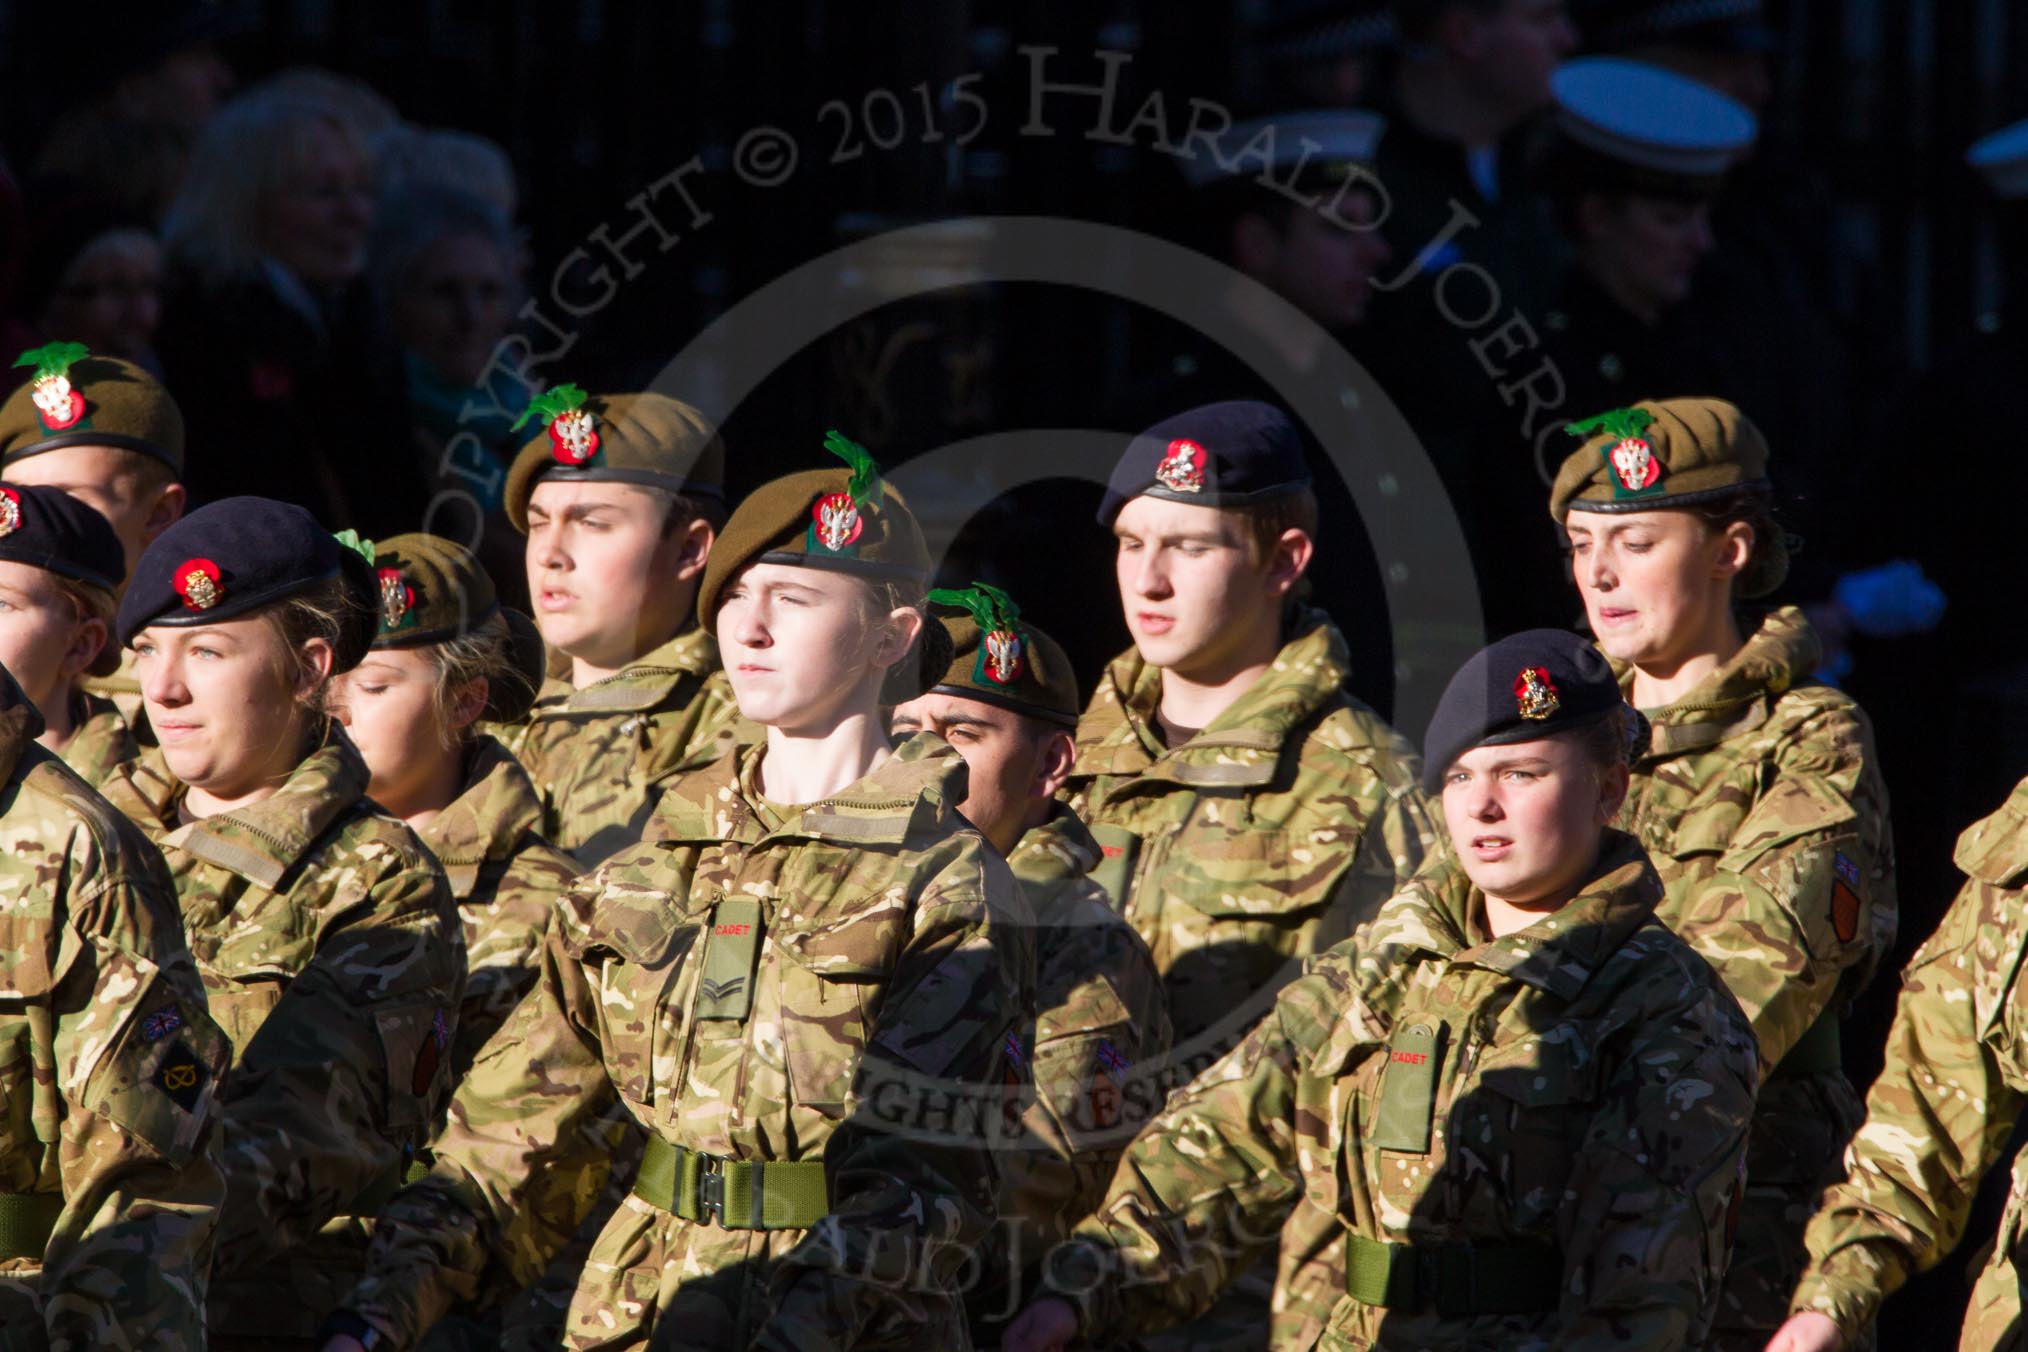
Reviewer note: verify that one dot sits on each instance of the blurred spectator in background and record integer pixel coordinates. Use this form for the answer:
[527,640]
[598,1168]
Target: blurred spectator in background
[156,76]
[261,326]
[440,157]
[94,276]
[1317,53]
[1763,313]
[446,275]
[364,110]
[1639,156]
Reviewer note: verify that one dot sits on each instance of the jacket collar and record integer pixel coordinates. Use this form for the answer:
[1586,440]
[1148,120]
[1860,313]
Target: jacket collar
[262,841]
[643,684]
[1740,695]
[488,821]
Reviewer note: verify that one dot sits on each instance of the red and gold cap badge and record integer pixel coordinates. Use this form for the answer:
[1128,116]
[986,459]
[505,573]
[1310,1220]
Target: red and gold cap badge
[838,519]
[58,406]
[1630,456]
[197,582]
[1003,652]
[1182,469]
[10,511]
[573,430]
[1536,693]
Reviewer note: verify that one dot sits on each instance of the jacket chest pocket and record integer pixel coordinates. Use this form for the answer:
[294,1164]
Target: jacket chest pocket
[1521,1120]
[639,943]
[832,974]
[241,1003]
[246,974]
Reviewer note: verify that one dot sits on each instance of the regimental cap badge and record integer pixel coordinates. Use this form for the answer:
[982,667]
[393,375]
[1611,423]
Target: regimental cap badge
[1630,457]
[838,519]
[397,601]
[1536,693]
[573,431]
[1182,469]
[197,582]
[10,511]
[1003,653]
[57,404]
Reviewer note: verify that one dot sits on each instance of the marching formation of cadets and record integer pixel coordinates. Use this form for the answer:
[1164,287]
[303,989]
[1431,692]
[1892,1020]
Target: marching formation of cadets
[758,948]
[770,951]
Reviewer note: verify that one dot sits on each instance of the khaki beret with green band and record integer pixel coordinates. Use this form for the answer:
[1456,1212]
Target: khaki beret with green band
[1672,454]
[998,658]
[434,590]
[75,399]
[840,520]
[648,440]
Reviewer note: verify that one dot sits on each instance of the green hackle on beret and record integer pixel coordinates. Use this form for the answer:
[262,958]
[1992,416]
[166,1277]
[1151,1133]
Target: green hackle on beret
[115,403]
[1000,659]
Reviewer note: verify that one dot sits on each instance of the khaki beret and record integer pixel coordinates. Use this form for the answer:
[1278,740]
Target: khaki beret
[1659,453]
[76,399]
[999,659]
[1671,454]
[648,440]
[841,520]
[434,590]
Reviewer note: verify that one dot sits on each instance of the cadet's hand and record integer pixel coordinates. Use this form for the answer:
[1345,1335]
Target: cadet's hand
[1808,1332]
[1046,1326]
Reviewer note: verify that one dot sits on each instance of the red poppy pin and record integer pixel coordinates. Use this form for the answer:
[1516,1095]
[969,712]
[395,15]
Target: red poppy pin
[57,404]
[197,582]
[1536,693]
[1182,469]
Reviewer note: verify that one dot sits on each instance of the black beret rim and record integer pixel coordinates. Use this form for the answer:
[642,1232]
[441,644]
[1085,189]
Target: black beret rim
[640,478]
[862,567]
[443,633]
[1433,774]
[118,440]
[1691,499]
[1114,503]
[50,563]
[1010,703]
[231,608]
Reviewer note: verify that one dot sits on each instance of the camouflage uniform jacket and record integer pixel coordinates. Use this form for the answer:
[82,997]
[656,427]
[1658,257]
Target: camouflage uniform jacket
[332,955]
[1592,1086]
[505,878]
[102,743]
[1944,1108]
[1100,1013]
[599,756]
[1265,838]
[109,1069]
[890,970]
[1760,801]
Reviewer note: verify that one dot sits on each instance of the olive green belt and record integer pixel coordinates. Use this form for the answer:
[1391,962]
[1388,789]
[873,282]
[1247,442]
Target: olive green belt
[1819,1051]
[738,1194]
[26,1220]
[1453,1280]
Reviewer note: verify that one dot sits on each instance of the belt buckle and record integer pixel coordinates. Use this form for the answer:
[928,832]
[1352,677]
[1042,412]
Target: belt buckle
[711,1189]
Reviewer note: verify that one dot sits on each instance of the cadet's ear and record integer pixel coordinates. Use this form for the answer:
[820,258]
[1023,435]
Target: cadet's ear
[1290,560]
[693,548]
[1052,767]
[1612,792]
[164,512]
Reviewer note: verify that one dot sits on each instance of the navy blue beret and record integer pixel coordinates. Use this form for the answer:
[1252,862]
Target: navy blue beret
[48,528]
[1529,685]
[1232,454]
[236,555]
